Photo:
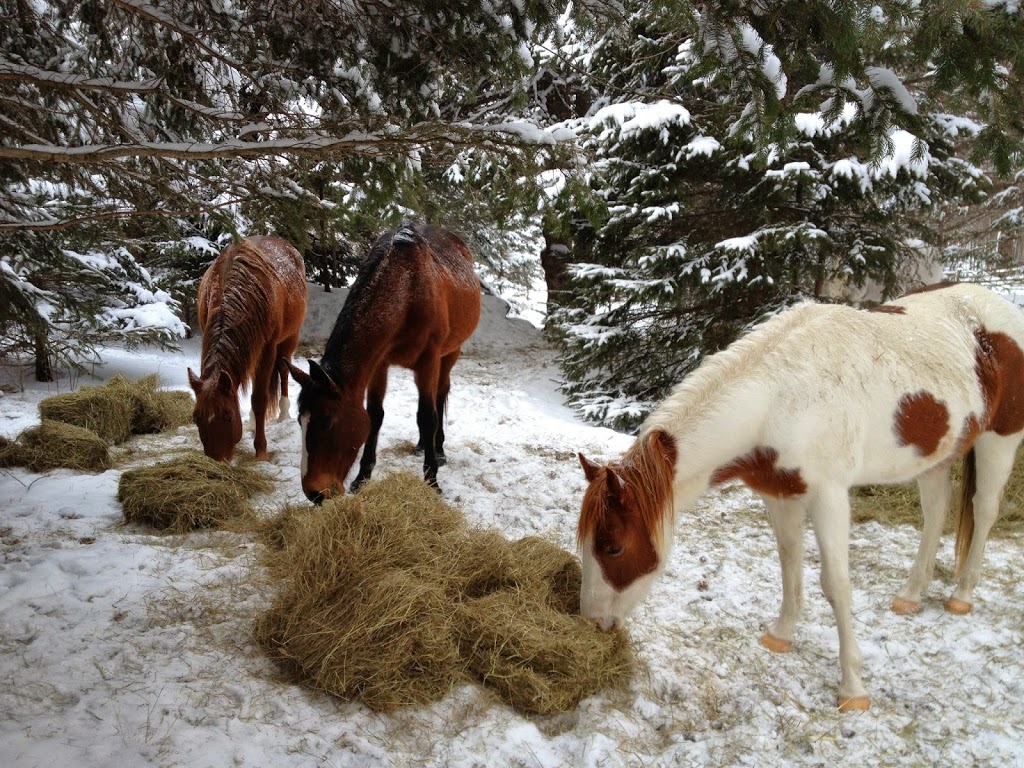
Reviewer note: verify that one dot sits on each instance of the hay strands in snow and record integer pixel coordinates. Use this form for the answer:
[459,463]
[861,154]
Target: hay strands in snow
[53,445]
[389,597]
[189,492]
[121,408]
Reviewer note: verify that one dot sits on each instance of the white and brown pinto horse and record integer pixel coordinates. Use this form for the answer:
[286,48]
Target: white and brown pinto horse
[819,399]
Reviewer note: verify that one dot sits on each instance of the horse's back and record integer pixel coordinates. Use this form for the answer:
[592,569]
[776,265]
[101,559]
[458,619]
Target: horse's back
[268,265]
[444,288]
[892,392]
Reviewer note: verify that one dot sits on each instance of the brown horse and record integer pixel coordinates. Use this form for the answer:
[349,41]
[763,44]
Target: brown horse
[252,301]
[415,301]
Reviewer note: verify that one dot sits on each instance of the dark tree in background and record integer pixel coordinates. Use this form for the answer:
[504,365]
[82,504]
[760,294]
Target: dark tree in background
[747,156]
[152,133]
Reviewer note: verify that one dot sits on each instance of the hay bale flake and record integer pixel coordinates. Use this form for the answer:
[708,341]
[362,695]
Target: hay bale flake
[121,408]
[389,597]
[55,445]
[190,492]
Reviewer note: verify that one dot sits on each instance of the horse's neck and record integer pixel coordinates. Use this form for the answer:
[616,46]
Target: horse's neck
[351,361]
[224,350]
[712,424]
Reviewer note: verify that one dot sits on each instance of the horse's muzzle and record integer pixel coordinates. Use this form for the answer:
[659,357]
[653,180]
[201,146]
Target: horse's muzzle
[317,497]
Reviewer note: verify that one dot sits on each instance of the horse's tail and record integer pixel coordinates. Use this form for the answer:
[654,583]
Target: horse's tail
[273,401]
[965,526]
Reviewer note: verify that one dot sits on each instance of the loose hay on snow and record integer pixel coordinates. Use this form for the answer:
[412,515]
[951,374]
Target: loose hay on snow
[900,504]
[190,492]
[54,444]
[121,408]
[389,597]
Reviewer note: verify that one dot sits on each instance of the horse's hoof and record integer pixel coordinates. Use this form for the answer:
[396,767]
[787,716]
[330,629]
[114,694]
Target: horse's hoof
[854,704]
[904,607]
[263,456]
[776,644]
[441,460]
[957,607]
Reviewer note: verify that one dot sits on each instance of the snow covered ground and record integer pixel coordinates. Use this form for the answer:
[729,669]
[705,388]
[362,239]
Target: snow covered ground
[122,648]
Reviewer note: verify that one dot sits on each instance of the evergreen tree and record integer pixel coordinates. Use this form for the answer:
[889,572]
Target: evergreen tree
[163,129]
[746,155]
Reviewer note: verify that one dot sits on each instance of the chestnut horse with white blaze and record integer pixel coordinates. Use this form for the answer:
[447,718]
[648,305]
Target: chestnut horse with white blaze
[817,400]
[252,301]
[414,302]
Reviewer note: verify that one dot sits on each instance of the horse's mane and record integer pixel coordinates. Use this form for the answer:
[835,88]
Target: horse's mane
[363,291]
[236,329]
[700,391]
[648,470]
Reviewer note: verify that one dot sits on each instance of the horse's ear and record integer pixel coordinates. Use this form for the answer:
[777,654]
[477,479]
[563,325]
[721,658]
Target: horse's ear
[616,485]
[225,384]
[297,373]
[319,375]
[590,468]
[194,381]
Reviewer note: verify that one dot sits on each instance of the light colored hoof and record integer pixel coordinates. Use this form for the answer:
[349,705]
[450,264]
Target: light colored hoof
[854,704]
[775,644]
[957,607]
[284,409]
[905,607]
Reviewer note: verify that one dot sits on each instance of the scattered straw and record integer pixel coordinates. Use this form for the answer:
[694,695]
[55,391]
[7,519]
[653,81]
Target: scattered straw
[121,408]
[900,504]
[191,492]
[53,445]
[388,597]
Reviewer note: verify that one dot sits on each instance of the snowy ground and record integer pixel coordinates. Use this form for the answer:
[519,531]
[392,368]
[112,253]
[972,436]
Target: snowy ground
[121,648]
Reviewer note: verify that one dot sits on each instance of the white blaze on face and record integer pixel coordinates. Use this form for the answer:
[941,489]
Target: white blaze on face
[303,425]
[599,600]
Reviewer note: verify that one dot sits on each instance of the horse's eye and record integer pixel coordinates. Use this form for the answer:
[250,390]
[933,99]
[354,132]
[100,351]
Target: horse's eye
[613,551]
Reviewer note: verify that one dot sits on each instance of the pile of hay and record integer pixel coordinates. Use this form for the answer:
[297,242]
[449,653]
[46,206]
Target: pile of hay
[901,505]
[121,408]
[53,445]
[388,597]
[190,492]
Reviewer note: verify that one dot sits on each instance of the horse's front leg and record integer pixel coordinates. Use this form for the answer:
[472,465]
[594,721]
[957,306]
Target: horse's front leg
[830,515]
[259,417]
[375,408]
[787,520]
[935,490]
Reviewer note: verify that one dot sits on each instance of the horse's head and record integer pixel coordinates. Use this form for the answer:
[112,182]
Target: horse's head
[334,425]
[216,414]
[624,533]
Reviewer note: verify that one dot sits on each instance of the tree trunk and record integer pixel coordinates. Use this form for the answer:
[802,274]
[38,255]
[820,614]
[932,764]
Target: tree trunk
[44,366]
[554,259]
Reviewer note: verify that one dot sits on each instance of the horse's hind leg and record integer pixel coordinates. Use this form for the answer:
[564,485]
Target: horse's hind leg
[994,456]
[375,407]
[285,350]
[426,377]
[787,520]
[830,515]
[935,490]
[444,386]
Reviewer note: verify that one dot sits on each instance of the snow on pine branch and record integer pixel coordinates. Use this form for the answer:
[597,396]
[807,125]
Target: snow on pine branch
[630,118]
[366,143]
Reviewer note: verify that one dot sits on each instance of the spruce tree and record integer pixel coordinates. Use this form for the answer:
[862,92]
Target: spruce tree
[746,156]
